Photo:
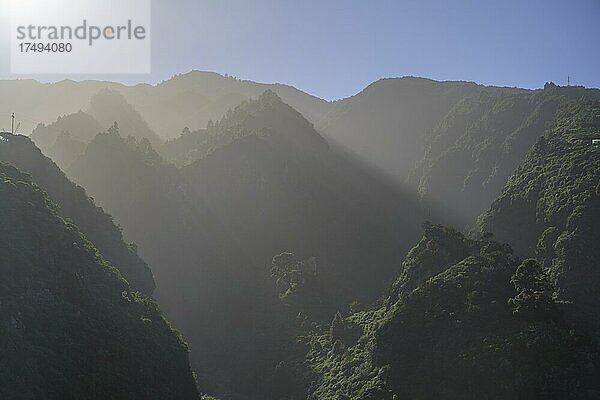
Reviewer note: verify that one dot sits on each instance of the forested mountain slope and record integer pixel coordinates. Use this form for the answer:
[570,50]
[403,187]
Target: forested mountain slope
[550,207]
[478,145]
[70,325]
[74,204]
[466,319]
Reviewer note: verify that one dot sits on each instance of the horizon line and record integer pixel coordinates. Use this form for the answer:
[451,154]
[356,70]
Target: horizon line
[228,76]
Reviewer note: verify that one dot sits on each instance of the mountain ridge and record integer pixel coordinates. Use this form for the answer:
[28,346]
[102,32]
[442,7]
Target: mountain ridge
[33,112]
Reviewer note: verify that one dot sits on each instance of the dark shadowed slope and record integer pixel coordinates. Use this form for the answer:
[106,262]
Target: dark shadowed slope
[71,328]
[73,203]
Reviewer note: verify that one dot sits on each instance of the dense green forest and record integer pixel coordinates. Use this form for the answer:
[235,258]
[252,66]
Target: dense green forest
[550,207]
[71,326]
[286,237]
[190,99]
[479,143]
[466,319]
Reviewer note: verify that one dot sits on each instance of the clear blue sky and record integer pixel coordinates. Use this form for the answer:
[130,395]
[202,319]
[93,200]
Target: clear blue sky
[333,49]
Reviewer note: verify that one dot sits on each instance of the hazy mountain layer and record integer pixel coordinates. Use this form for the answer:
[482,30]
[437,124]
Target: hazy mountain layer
[190,100]
[455,140]
[66,139]
[109,106]
[80,126]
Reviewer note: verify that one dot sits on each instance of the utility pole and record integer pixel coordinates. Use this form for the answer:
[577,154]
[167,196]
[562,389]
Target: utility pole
[568,80]
[12,124]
